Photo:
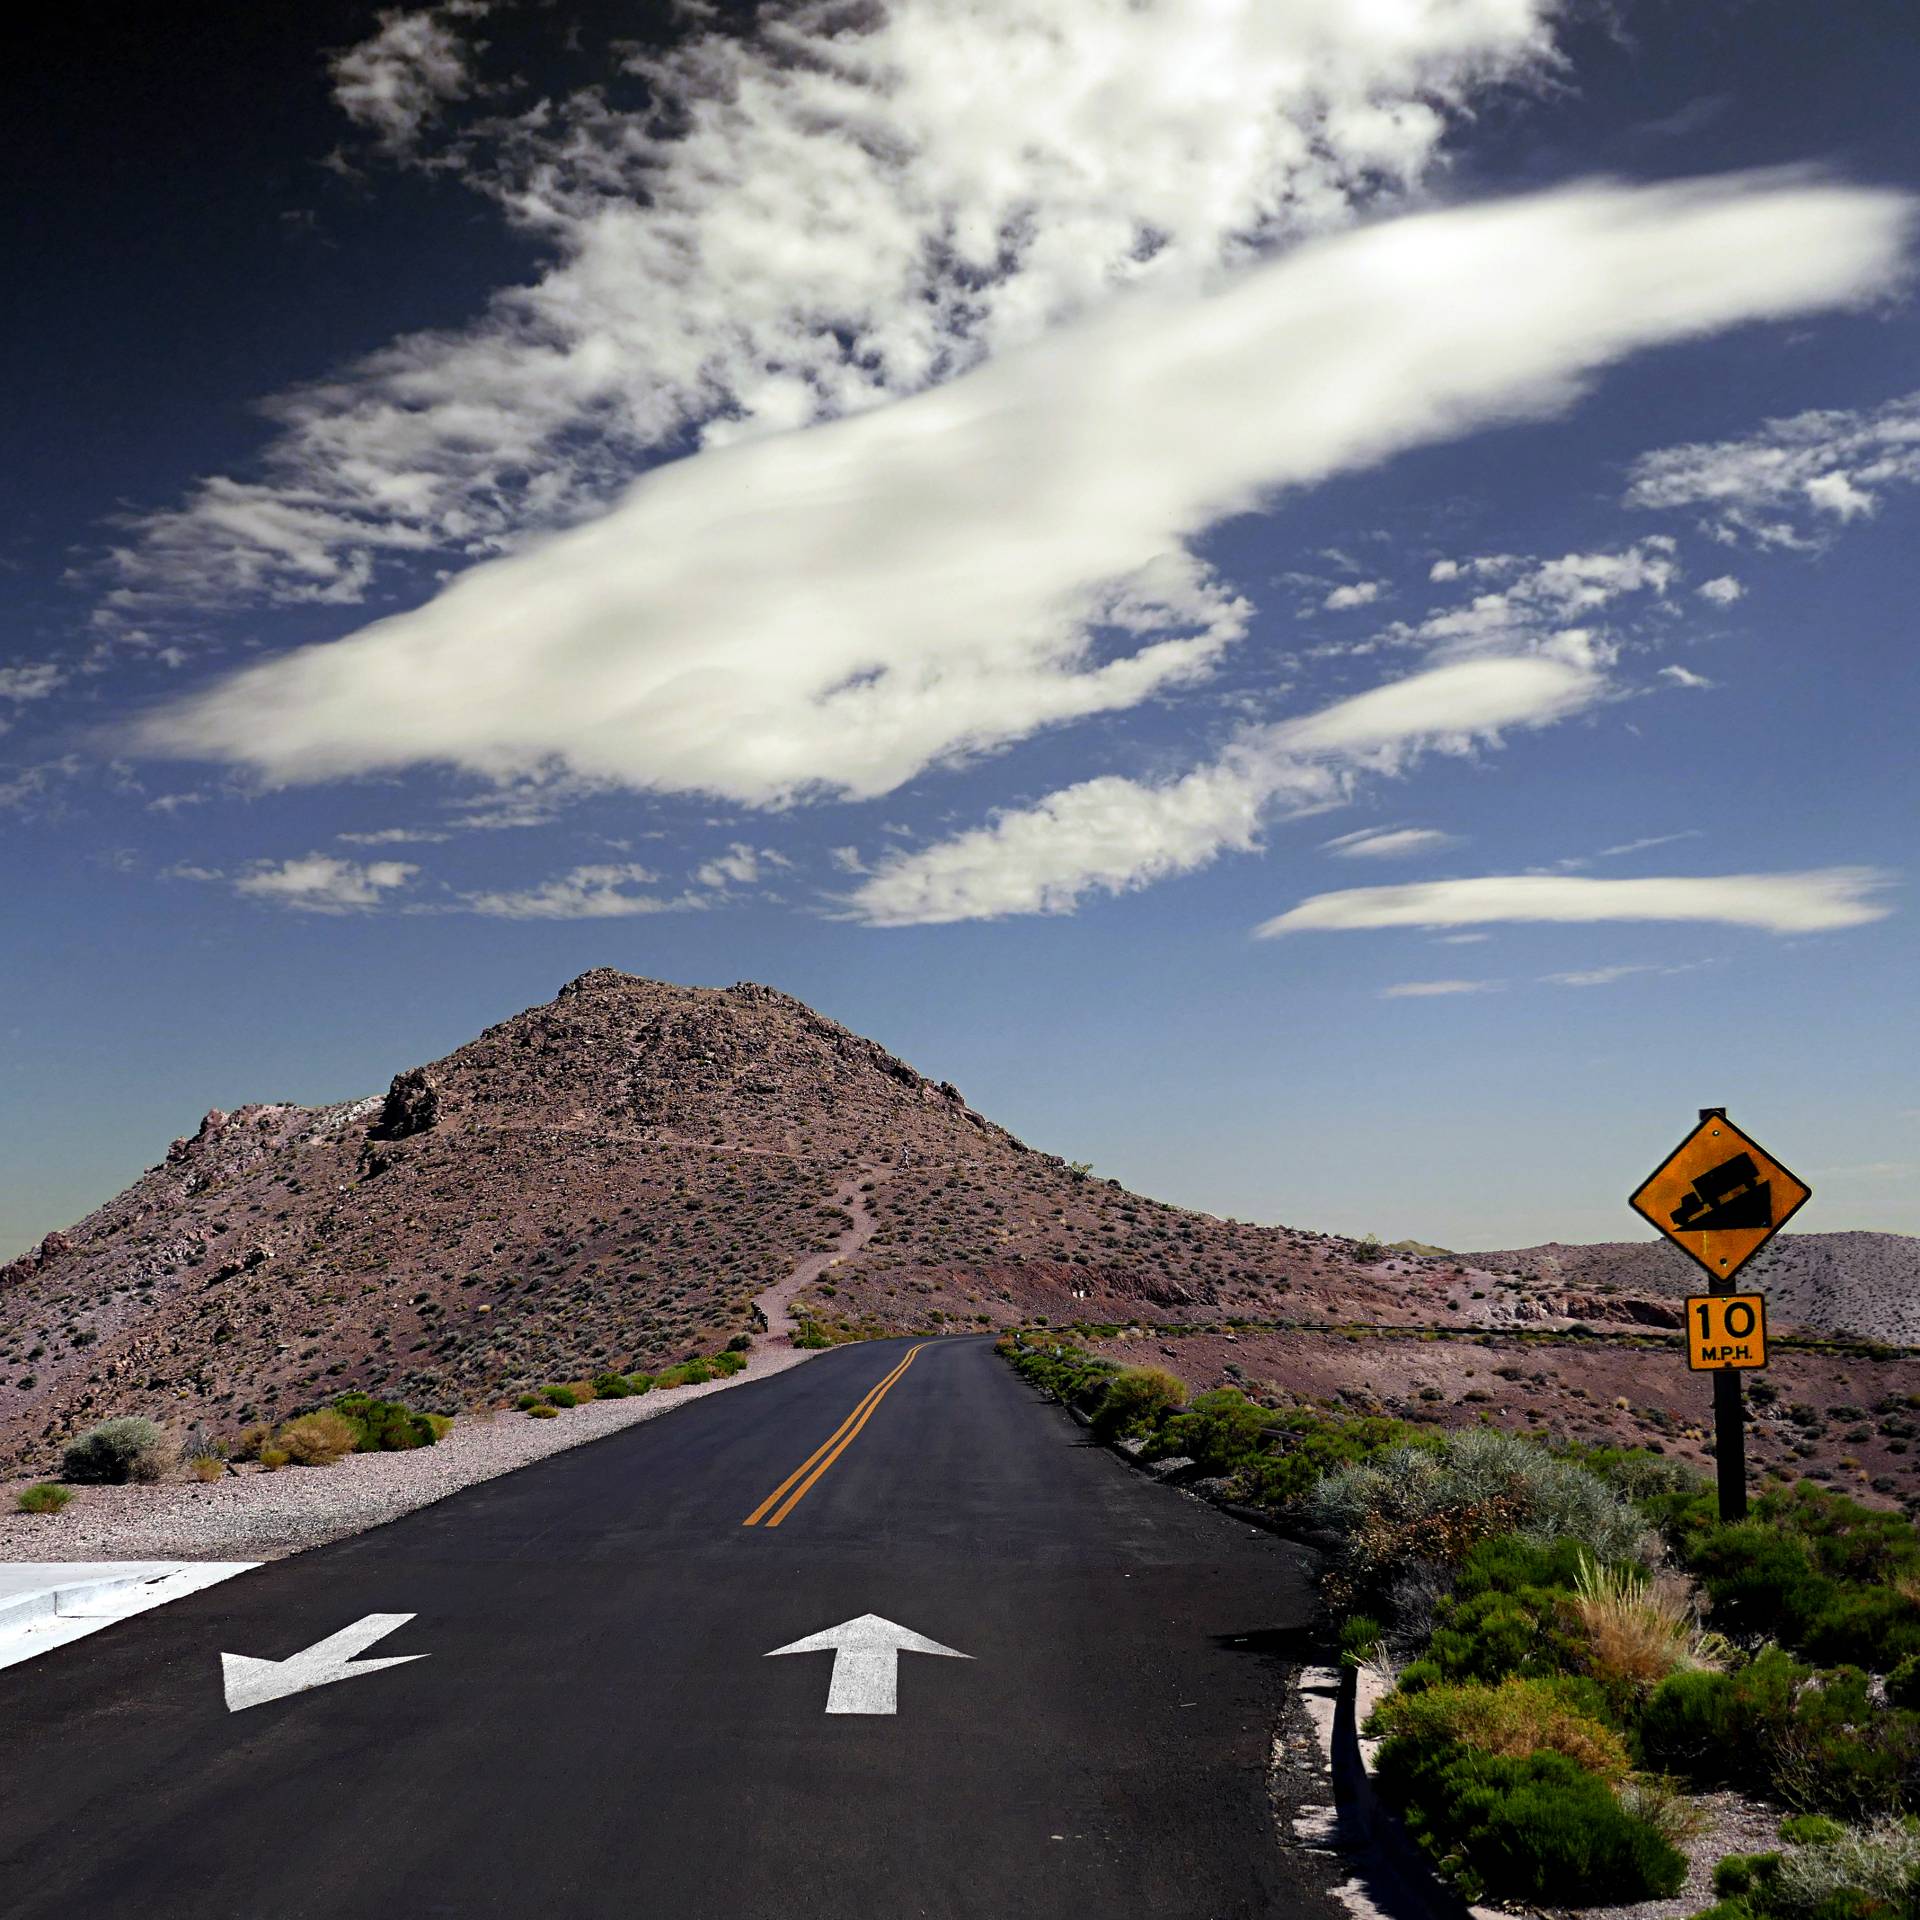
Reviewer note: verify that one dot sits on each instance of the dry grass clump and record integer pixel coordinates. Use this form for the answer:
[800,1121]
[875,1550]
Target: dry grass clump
[1637,1631]
[205,1467]
[317,1439]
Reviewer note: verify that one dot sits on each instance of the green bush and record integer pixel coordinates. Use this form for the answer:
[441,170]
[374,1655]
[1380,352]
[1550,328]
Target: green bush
[528,1401]
[1218,1432]
[116,1451]
[388,1426]
[1539,1828]
[639,1382]
[541,1410]
[1724,1728]
[1134,1400]
[740,1343]
[690,1373]
[558,1397]
[611,1386]
[47,1497]
[1516,1719]
[1507,1613]
[1903,1683]
[1360,1637]
[728,1363]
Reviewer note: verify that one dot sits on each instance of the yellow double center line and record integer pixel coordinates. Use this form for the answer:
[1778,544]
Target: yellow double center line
[787,1495]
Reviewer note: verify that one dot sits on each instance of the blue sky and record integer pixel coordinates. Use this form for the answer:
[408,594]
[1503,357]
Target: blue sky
[1313,604]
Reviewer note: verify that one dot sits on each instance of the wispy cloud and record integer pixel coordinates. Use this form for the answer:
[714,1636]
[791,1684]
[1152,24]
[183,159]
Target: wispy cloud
[1606,976]
[1815,901]
[941,182]
[1789,483]
[1437,989]
[604,892]
[1110,835]
[839,609]
[1389,843]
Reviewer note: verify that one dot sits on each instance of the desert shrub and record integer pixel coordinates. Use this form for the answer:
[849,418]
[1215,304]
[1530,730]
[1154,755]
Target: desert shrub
[206,1468]
[116,1451]
[1538,1828]
[387,1426]
[728,1363]
[250,1440]
[1360,1637]
[1515,1719]
[1217,1432]
[47,1497]
[611,1386]
[1134,1400]
[1723,1728]
[318,1439]
[1903,1683]
[528,1401]
[542,1410]
[740,1343]
[1846,1754]
[1832,1873]
[557,1397]
[1507,1613]
[690,1373]
[1765,1579]
[272,1458]
[1413,1506]
[639,1382]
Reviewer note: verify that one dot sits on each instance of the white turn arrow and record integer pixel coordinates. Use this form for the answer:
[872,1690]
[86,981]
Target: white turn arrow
[251,1683]
[866,1662]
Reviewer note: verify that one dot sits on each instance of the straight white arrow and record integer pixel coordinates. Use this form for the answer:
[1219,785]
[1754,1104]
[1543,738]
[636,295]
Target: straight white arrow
[251,1683]
[866,1662]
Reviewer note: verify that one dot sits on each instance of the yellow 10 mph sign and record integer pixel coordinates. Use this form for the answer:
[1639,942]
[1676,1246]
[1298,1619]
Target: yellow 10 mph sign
[1726,1330]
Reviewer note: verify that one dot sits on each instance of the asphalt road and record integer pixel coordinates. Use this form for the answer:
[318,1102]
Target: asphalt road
[595,1729]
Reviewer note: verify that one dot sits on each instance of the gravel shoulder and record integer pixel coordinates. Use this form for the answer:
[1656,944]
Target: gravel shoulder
[253,1515]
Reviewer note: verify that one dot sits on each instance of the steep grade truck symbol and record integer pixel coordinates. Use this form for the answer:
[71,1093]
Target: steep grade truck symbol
[1729,1195]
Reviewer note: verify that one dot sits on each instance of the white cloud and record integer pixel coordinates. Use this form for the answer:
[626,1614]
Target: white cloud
[841,608]
[1435,989]
[587,893]
[1684,677]
[1543,597]
[1831,461]
[1111,835]
[1358,593]
[393,837]
[801,219]
[33,681]
[739,866]
[1808,902]
[1389,843]
[401,78]
[1723,590]
[319,883]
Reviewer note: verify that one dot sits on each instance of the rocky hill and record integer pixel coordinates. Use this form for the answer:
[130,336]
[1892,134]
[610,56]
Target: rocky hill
[630,1175]
[1858,1283]
[616,1177]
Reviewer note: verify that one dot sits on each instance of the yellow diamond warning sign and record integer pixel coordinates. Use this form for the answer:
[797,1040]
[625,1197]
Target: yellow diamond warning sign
[1720,1196]
[1726,1330]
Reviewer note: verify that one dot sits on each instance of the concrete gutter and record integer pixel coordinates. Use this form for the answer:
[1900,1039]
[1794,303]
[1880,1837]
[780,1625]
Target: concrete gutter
[48,1604]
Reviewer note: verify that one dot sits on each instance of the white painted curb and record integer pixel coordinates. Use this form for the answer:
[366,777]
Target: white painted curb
[51,1604]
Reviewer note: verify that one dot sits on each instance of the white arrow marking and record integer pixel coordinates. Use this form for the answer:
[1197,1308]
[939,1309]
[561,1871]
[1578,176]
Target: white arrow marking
[866,1662]
[251,1683]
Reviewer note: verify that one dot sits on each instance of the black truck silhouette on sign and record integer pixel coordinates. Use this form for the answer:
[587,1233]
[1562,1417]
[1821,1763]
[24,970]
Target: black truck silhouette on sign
[1729,1195]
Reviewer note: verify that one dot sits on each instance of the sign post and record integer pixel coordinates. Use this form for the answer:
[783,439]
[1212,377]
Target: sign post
[1720,1198]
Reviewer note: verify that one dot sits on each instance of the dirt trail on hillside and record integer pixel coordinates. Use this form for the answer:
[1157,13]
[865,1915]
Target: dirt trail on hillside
[777,1301]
